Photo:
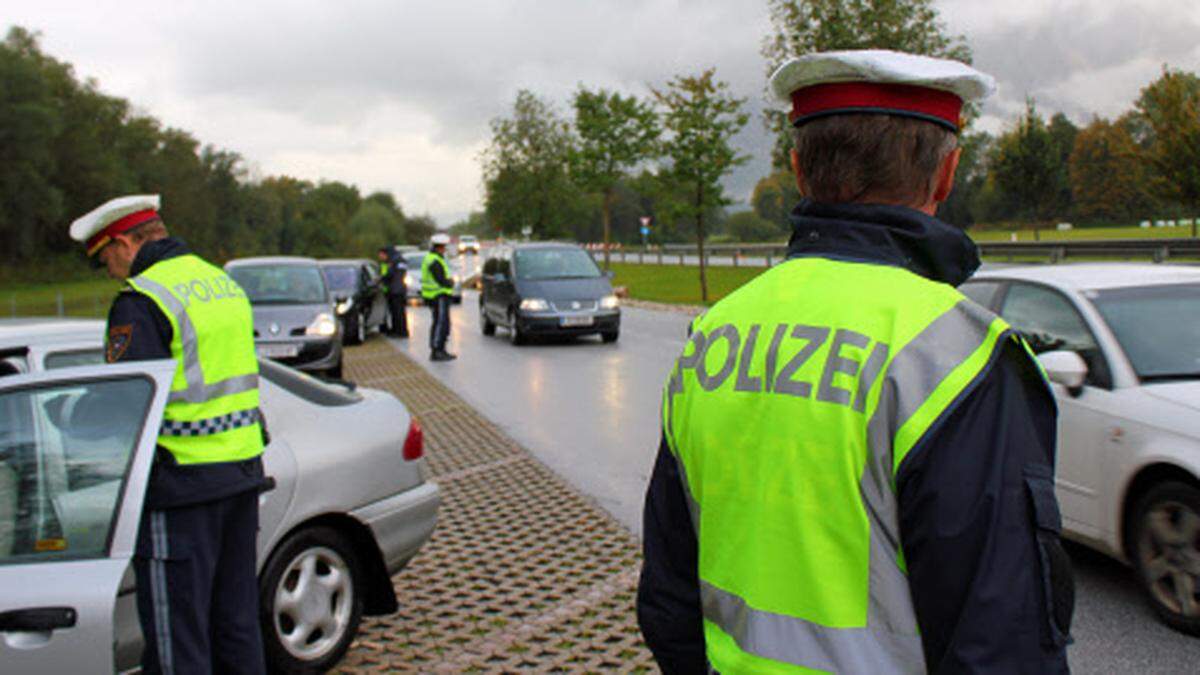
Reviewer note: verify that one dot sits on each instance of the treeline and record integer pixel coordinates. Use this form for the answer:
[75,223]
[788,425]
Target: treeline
[65,148]
[1144,165]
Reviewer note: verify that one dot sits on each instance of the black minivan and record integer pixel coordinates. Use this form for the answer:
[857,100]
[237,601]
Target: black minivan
[547,289]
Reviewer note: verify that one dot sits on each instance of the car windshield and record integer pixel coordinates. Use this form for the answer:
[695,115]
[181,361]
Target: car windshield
[1157,326]
[341,277]
[555,263]
[414,260]
[281,284]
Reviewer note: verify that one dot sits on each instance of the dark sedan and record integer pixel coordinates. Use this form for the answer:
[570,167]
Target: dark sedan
[357,295]
[547,289]
[294,319]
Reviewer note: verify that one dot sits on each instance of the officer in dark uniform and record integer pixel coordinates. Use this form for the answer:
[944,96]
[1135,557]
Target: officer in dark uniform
[856,466]
[395,282]
[195,557]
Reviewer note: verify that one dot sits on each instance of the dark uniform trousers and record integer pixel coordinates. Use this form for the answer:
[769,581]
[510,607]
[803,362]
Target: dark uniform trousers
[197,563]
[439,330]
[397,303]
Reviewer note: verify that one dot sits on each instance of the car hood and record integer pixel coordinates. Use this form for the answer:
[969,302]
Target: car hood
[1186,394]
[565,289]
[285,319]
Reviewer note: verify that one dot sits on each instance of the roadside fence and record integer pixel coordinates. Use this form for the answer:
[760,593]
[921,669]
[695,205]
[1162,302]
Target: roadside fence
[58,304]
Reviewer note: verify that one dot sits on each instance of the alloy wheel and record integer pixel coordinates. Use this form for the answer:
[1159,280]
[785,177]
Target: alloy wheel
[313,603]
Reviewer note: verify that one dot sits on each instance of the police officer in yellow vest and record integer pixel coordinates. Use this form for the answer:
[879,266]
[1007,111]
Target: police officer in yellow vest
[856,467]
[436,289]
[195,557]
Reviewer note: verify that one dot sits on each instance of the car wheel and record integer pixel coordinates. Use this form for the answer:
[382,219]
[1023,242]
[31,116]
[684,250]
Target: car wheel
[354,329]
[485,323]
[514,331]
[360,330]
[1166,545]
[336,371]
[610,335]
[456,299]
[310,601]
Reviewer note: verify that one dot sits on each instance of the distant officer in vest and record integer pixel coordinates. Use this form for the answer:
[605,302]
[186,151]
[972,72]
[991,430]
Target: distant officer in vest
[857,462]
[395,284]
[195,558]
[436,289]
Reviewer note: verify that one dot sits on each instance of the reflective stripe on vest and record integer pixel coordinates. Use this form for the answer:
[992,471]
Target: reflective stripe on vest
[430,288]
[793,405]
[212,411]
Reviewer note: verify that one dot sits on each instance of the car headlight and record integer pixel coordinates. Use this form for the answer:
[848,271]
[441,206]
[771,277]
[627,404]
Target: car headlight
[534,305]
[345,305]
[323,325]
[609,302]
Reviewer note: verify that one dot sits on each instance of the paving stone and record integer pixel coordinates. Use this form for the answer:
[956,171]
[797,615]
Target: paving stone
[522,574]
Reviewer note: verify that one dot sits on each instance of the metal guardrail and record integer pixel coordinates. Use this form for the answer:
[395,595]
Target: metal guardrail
[1155,250]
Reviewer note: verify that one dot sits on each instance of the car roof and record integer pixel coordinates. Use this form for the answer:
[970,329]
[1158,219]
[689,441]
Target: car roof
[272,260]
[543,244]
[1097,276]
[329,262]
[37,330]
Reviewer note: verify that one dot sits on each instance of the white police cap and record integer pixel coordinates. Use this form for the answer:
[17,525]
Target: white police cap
[880,81]
[97,227]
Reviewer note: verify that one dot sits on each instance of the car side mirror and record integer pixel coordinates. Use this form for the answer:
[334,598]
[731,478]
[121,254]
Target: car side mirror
[1066,368]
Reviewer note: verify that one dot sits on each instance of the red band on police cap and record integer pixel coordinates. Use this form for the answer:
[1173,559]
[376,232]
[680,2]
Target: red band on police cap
[119,226]
[819,100]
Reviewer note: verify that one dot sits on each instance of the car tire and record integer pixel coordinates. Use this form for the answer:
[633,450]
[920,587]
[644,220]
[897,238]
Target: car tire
[1165,541]
[514,331]
[485,323]
[610,336]
[354,329]
[336,371]
[360,333]
[313,576]
[456,299]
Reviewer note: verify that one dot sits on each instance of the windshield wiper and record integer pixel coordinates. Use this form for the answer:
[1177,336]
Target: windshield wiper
[1170,377]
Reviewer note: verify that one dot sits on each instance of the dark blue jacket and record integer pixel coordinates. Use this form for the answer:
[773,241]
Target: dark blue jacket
[979,523]
[138,331]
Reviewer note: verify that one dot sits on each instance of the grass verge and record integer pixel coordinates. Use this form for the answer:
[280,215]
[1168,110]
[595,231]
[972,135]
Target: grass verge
[85,298]
[680,284]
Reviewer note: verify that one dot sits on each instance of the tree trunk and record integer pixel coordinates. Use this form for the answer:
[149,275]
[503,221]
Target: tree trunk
[700,240]
[606,213]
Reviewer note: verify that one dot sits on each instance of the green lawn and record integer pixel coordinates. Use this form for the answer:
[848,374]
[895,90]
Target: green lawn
[89,298]
[1086,233]
[679,284]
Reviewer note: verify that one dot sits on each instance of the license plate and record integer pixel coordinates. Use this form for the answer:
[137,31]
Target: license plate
[567,321]
[277,351]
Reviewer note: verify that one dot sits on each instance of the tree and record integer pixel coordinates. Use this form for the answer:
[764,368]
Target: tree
[800,27]
[774,197]
[1108,174]
[1029,167]
[614,134]
[701,118]
[1170,108]
[749,226]
[965,205]
[526,183]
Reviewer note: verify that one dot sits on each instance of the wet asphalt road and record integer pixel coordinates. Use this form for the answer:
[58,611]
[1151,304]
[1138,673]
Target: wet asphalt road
[590,411]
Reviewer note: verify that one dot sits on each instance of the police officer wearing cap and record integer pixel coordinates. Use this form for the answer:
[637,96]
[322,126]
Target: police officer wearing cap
[436,289]
[394,269]
[856,466]
[195,558]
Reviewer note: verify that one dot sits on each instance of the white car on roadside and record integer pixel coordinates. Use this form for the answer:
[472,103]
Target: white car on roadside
[1121,344]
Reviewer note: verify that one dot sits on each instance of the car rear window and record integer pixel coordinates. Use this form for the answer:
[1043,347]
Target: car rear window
[307,387]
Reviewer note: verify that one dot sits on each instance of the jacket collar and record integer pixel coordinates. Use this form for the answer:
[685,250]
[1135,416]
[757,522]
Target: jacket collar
[880,233]
[156,251]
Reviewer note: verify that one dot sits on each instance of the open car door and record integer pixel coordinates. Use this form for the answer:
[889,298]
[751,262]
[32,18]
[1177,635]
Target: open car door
[76,446]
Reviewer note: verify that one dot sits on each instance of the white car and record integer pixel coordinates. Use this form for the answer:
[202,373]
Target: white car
[468,243]
[1121,343]
[351,504]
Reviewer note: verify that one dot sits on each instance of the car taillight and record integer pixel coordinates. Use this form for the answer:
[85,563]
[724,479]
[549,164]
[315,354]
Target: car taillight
[414,442]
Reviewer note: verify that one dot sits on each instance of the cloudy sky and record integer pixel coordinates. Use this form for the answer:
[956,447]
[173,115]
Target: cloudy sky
[396,94]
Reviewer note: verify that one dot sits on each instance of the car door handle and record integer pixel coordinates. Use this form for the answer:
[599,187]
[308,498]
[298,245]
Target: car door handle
[37,619]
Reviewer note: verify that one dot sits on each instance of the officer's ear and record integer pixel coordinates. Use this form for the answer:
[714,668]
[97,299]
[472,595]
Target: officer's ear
[800,184]
[944,182]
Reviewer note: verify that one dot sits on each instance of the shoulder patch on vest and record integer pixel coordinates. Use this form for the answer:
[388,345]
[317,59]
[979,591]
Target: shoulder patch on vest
[119,338]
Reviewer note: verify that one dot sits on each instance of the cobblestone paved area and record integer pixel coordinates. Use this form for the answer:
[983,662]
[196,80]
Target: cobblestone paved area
[522,574]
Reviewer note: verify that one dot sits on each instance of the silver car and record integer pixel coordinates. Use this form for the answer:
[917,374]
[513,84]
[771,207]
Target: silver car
[414,261]
[1121,343]
[351,504]
[295,321]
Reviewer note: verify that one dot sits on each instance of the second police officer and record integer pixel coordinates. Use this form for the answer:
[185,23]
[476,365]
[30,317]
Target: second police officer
[856,466]
[437,287]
